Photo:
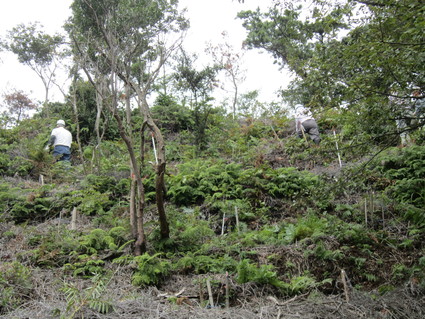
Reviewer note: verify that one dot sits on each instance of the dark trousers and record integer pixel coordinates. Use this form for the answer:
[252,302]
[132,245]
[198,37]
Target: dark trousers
[62,153]
[311,128]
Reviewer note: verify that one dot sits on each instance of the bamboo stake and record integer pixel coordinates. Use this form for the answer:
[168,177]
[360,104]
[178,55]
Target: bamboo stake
[237,218]
[201,293]
[227,291]
[74,218]
[210,293]
[337,149]
[222,224]
[303,132]
[154,149]
[344,283]
[365,210]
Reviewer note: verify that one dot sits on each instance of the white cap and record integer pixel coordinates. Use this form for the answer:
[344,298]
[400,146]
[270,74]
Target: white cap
[60,122]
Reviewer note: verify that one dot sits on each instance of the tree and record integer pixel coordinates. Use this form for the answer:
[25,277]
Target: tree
[37,50]
[345,61]
[123,46]
[225,56]
[199,84]
[18,105]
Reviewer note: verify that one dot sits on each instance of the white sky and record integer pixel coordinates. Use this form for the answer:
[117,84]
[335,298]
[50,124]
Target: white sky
[208,18]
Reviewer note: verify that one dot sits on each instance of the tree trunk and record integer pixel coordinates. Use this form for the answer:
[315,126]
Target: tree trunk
[75,109]
[159,166]
[133,206]
[140,244]
[132,211]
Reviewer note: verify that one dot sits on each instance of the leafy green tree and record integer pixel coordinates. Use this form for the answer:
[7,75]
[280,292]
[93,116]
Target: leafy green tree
[342,59]
[122,46]
[37,50]
[199,83]
[87,111]
[170,116]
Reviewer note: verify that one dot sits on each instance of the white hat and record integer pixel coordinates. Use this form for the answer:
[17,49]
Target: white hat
[60,122]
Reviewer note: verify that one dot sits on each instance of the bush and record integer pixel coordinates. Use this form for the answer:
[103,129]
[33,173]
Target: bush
[405,170]
[199,180]
[15,285]
[151,270]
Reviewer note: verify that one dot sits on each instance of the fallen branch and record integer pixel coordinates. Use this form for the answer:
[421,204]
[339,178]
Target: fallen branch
[168,295]
[271,298]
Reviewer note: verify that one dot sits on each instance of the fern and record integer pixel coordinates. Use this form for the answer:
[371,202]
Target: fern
[88,266]
[150,269]
[91,297]
[265,274]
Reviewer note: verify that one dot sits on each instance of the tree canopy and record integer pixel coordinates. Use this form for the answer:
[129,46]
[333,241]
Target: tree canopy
[345,54]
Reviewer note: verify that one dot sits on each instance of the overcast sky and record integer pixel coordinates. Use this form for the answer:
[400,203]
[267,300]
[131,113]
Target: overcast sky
[208,18]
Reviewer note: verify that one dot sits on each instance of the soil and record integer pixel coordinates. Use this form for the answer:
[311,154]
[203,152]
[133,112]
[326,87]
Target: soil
[182,296]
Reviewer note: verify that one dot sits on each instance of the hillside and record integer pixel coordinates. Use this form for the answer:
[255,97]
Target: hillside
[176,203]
[272,227]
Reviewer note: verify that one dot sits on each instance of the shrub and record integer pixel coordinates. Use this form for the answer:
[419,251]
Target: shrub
[15,285]
[198,181]
[405,169]
[151,270]
[202,264]
[99,239]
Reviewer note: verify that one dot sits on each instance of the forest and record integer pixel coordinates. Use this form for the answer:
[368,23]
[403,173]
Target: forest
[177,205]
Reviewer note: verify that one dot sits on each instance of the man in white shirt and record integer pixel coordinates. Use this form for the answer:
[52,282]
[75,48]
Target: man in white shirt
[61,139]
[306,124]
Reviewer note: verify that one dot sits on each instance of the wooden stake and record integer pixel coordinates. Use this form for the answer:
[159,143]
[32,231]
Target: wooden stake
[222,225]
[337,150]
[201,293]
[344,283]
[365,210]
[303,132]
[227,291]
[74,218]
[237,218]
[154,149]
[210,293]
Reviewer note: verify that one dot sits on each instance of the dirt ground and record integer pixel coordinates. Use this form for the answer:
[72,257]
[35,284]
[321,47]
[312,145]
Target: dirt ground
[178,298]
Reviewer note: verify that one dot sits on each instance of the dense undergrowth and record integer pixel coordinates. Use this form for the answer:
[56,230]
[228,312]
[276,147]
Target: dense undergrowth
[270,210]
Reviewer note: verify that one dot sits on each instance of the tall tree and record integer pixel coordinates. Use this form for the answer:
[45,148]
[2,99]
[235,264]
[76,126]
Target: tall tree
[229,59]
[345,54]
[199,83]
[18,105]
[127,45]
[38,50]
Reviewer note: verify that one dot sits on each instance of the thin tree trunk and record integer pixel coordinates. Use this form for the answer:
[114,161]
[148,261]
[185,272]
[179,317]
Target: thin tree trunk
[133,206]
[160,166]
[132,211]
[77,128]
[140,244]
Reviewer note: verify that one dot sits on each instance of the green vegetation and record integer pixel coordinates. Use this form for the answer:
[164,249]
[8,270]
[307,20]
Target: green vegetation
[191,190]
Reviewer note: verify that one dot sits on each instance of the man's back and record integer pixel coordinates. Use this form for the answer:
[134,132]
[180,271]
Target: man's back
[62,136]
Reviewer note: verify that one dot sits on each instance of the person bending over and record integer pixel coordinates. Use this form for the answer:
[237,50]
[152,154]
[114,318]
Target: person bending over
[61,140]
[306,124]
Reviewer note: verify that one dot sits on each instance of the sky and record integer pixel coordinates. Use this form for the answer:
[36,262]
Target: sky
[208,19]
